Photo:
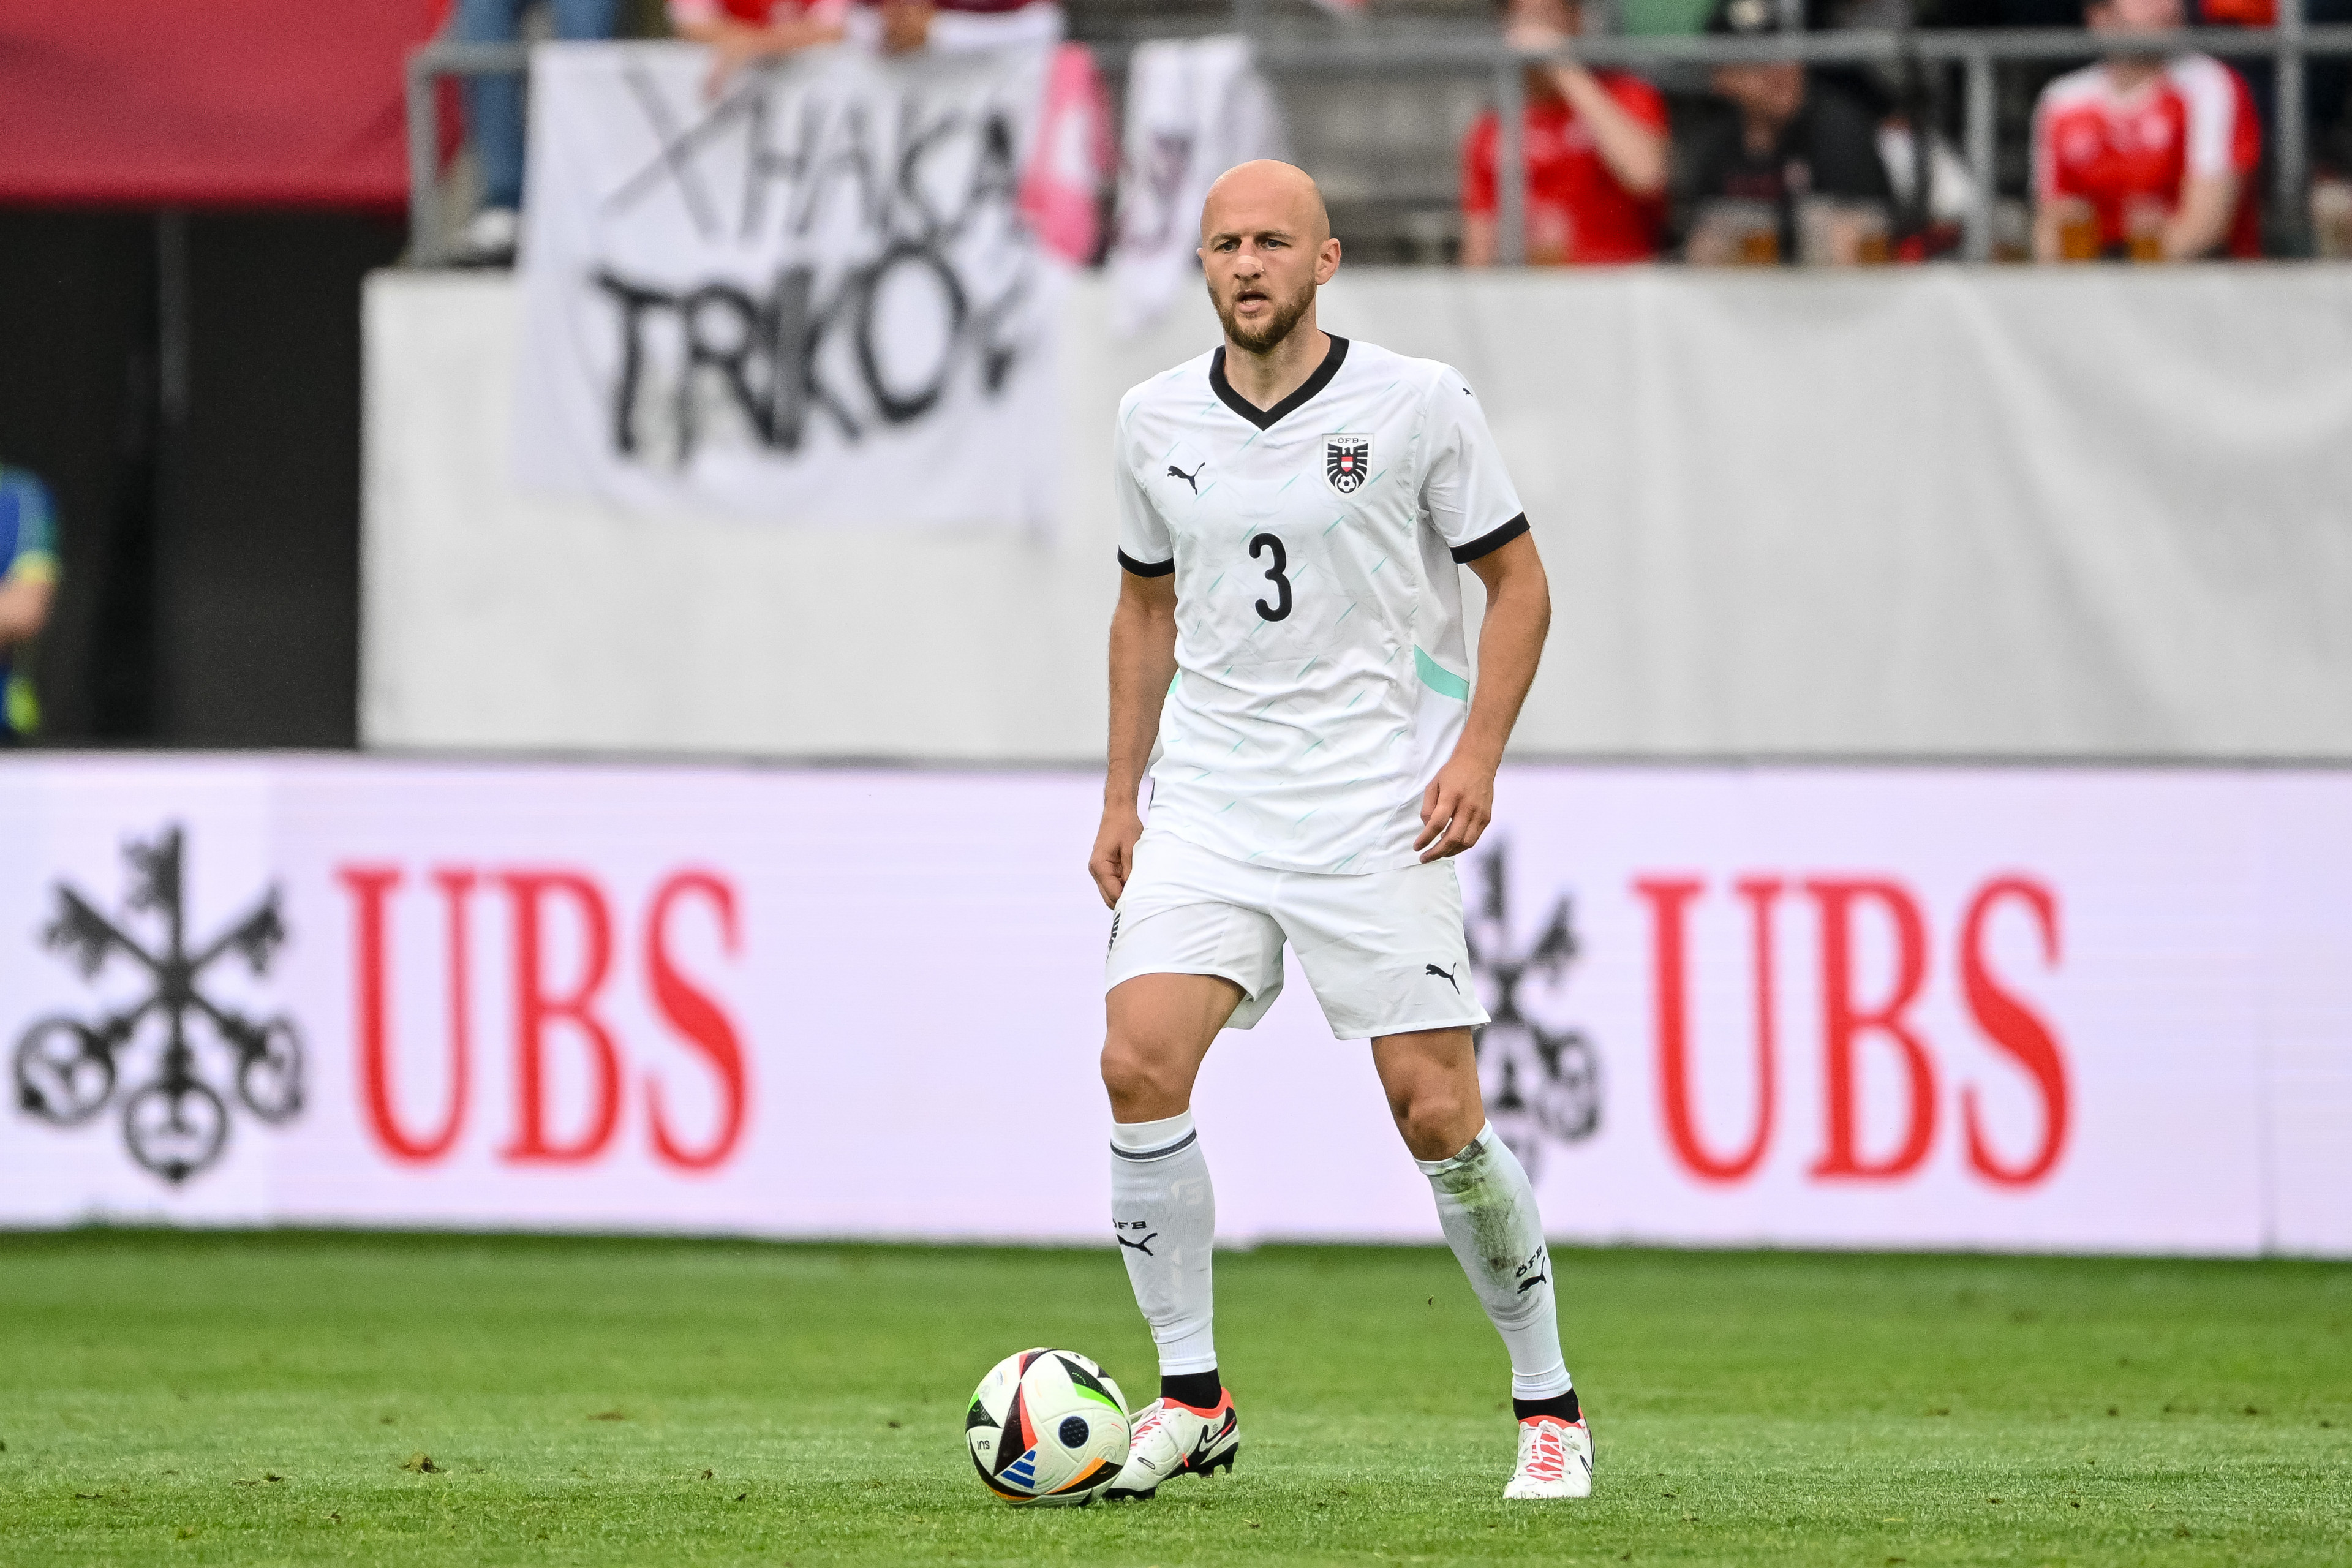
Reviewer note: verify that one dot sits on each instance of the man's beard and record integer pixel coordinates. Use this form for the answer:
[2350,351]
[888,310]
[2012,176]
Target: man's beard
[1259,340]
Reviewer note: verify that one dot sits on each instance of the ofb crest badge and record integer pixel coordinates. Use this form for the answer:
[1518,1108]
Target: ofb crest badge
[1346,460]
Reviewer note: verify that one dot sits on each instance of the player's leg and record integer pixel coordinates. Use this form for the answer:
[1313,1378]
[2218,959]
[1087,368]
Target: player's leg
[1386,955]
[1163,1209]
[1486,1204]
[1191,952]
[1164,1212]
[494,114]
[1486,1207]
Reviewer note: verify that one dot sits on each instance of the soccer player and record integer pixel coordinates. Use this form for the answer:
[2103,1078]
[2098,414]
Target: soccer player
[1288,652]
[28,583]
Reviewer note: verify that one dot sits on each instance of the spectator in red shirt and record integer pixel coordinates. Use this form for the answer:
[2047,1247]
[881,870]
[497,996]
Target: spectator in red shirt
[2145,155]
[1595,143]
[954,26]
[740,32]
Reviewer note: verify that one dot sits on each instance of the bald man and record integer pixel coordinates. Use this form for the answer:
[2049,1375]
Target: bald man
[1288,657]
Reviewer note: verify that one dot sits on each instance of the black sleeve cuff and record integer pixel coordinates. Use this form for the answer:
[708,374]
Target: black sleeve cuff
[1484,544]
[1162,568]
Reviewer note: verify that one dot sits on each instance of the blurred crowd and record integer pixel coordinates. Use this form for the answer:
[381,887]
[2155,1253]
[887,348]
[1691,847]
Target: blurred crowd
[2142,154]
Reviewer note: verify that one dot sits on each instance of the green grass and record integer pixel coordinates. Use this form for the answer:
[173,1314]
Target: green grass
[253,1399]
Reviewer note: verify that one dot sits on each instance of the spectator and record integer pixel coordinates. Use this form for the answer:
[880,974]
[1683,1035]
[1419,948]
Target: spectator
[494,115]
[949,27]
[28,578]
[742,31]
[1791,157]
[1595,146]
[2142,155]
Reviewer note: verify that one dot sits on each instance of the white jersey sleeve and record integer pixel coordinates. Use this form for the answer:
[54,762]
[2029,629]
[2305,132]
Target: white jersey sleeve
[1145,545]
[1466,492]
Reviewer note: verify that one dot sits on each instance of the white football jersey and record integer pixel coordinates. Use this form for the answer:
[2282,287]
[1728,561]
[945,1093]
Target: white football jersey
[1321,671]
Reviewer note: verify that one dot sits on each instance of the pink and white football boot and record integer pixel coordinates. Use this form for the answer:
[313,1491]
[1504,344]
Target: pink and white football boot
[1555,1459]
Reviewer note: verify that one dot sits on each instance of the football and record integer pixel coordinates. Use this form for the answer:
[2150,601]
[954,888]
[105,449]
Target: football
[1047,1427]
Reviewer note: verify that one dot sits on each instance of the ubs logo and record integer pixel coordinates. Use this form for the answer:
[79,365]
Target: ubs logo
[174,1124]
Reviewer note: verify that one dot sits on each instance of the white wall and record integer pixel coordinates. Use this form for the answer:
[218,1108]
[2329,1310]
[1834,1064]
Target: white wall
[1944,512]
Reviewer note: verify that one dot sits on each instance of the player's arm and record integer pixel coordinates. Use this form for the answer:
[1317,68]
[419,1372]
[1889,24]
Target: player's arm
[735,45]
[2208,203]
[2051,215]
[2221,147]
[1635,151]
[24,607]
[905,25]
[1142,663]
[2053,209]
[1460,801]
[1481,238]
[28,583]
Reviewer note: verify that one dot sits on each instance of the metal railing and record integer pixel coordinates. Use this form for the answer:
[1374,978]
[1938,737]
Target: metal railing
[1365,54]
[427,224]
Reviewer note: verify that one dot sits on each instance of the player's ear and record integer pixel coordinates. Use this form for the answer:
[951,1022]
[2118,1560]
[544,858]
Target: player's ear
[1327,261]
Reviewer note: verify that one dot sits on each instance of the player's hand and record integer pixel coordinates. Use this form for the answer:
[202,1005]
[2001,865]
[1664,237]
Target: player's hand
[730,53]
[1113,861]
[905,26]
[1533,38]
[1455,809]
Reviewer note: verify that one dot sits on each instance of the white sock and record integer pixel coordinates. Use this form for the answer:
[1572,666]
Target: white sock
[1487,1209]
[1165,1216]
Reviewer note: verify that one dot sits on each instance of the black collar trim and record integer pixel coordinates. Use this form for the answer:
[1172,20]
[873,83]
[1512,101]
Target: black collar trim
[1267,418]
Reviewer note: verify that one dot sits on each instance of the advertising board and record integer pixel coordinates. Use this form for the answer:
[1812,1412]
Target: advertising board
[2105,1010]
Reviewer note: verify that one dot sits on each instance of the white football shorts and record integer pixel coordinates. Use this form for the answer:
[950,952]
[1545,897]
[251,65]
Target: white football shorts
[1384,950]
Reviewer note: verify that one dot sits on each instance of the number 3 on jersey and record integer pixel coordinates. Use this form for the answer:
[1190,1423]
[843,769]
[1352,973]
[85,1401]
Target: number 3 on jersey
[1274,574]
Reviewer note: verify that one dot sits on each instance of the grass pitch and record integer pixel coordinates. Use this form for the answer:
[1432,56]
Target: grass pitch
[294,1398]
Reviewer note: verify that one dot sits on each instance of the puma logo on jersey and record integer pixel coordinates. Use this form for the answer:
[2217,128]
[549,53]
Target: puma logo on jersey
[1444,974]
[1192,479]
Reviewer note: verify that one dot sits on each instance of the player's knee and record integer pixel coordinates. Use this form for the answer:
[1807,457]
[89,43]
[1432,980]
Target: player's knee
[1134,1072]
[1435,1116]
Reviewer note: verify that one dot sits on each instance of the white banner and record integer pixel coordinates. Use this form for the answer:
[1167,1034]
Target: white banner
[1195,106]
[813,298]
[1926,1008]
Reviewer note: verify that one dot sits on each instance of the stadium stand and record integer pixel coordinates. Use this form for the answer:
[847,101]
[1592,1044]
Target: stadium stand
[1379,103]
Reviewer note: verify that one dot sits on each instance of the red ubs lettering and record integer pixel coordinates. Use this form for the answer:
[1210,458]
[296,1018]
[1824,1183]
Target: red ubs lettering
[552,1012]
[1852,1023]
